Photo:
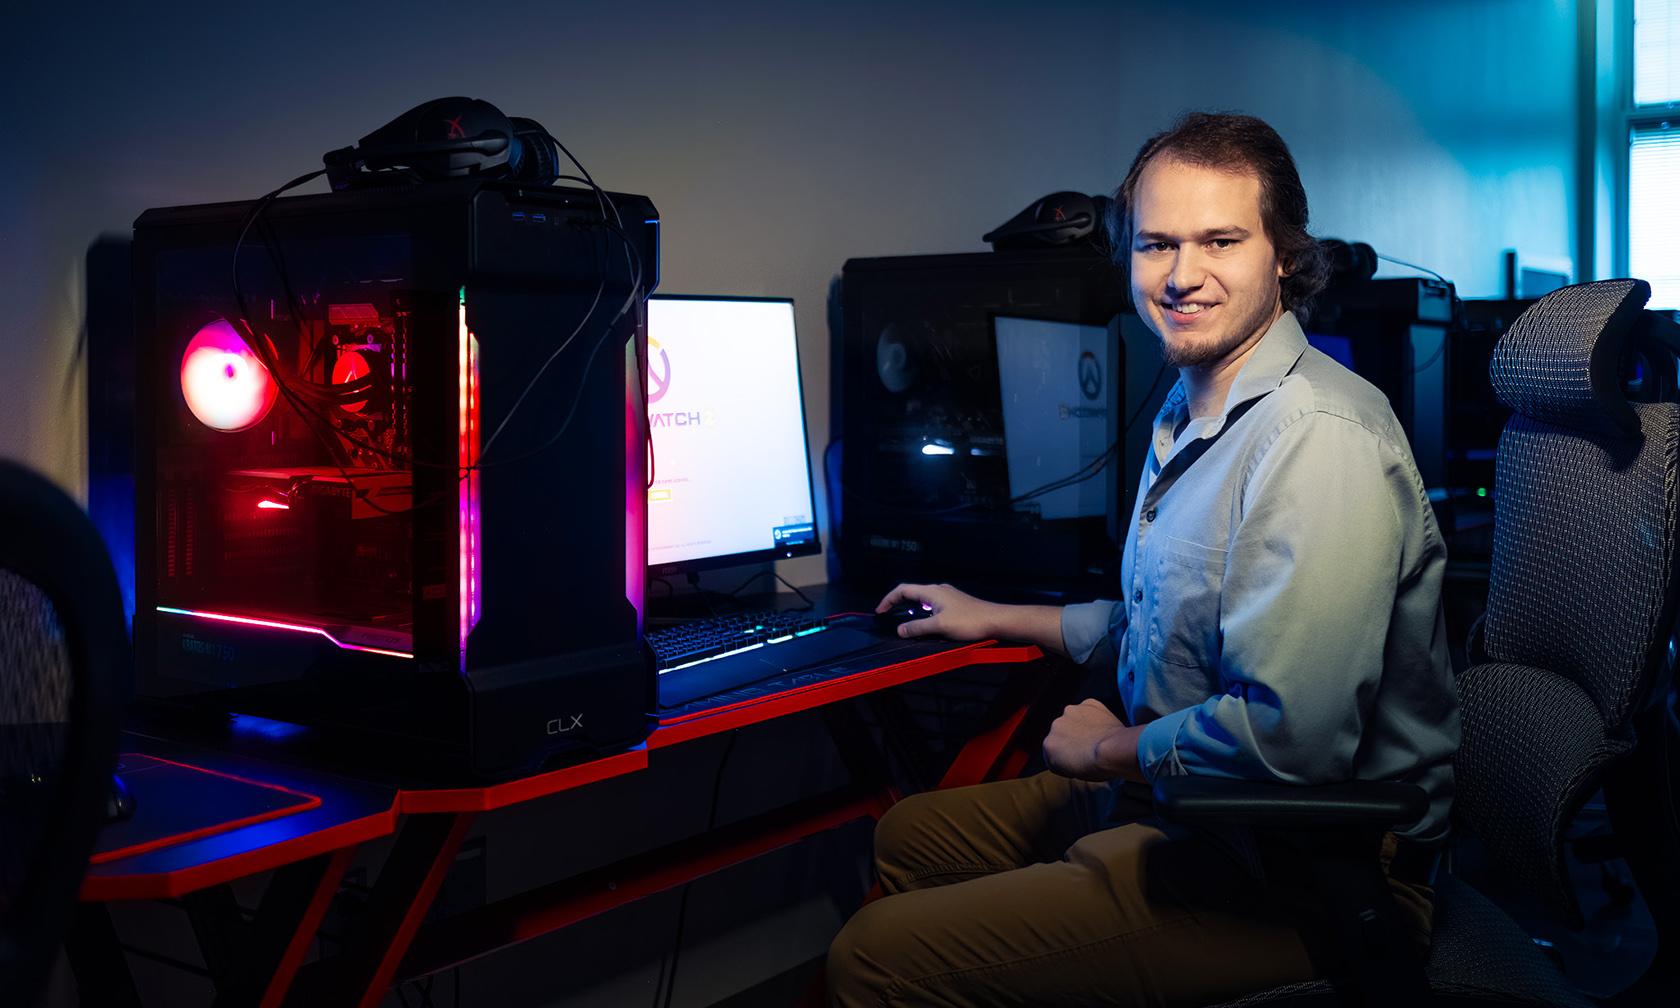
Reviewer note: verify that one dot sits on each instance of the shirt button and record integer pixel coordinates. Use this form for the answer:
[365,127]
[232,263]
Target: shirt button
[1149,515]
[1137,596]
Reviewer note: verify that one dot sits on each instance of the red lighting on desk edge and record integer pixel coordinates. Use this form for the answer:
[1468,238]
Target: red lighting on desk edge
[309,801]
[268,505]
[276,625]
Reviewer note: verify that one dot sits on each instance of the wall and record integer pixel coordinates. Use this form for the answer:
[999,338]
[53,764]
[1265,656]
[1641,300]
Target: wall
[779,139]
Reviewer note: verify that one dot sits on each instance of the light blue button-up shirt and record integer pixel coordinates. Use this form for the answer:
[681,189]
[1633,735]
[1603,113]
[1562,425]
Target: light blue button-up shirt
[1280,617]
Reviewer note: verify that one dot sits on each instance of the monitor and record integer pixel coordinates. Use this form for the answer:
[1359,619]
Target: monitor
[726,423]
[1056,380]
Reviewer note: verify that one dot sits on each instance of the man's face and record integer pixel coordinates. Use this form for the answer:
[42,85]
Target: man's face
[1204,274]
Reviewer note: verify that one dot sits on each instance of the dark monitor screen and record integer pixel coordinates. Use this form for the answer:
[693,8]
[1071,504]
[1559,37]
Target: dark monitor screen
[1055,382]
[726,417]
[1338,348]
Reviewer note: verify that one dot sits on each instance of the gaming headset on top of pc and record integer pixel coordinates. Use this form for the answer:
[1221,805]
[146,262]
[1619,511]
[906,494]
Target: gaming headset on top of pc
[447,138]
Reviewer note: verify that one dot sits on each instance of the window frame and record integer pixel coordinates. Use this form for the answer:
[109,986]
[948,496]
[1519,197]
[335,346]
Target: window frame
[1659,115]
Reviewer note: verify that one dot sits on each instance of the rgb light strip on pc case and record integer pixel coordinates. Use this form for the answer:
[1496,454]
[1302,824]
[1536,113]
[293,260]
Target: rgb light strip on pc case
[467,452]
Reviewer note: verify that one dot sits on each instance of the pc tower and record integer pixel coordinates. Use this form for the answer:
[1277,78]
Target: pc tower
[391,469]
[980,407]
[1398,335]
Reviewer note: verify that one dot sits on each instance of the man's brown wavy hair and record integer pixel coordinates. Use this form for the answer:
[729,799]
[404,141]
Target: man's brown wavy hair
[1242,144]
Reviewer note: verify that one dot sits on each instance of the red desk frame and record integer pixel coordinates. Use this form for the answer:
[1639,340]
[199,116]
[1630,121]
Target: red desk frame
[391,946]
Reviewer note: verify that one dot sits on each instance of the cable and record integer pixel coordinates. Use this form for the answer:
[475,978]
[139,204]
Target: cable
[296,394]
[1457,308]
[682,905]
[329,396]
[809,605]
[633,261]
[633,265]
[693,579]
[577,400]
[600,289]
[264,350]
[1100,462]
[1080,475]
[1420,269]
[601,198]
[1426,365]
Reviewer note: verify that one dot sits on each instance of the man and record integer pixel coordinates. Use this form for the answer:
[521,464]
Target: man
[1279,620]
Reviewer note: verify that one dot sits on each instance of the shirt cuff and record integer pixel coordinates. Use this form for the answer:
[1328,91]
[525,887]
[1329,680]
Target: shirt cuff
[1085,628]
[1158,745]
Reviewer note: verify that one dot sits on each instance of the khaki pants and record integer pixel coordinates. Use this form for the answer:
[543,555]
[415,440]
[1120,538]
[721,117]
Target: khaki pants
[1022,892]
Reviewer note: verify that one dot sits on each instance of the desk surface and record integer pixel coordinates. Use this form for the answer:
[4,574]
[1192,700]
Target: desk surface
[178,853]
[182,855]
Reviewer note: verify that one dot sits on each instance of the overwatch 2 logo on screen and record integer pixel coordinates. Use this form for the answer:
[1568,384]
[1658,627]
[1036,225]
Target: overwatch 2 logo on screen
[1090,376]
[1090,386]
[659,383]
[659,372]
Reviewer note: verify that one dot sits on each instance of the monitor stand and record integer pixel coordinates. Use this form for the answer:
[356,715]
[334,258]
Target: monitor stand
[701,596]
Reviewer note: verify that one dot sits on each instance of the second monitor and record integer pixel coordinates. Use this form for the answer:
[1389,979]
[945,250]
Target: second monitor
[726,419]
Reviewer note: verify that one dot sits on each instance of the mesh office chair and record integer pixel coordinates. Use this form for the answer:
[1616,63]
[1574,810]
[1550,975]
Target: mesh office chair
[63,664]
[1572,655]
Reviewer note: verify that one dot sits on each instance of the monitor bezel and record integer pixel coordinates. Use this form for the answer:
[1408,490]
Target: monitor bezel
[769,554]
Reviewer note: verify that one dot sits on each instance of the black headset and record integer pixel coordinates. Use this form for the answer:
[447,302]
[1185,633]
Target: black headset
[1061,218]
[447,138]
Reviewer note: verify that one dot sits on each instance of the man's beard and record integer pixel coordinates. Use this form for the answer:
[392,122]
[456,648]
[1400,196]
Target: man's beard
[1202,355]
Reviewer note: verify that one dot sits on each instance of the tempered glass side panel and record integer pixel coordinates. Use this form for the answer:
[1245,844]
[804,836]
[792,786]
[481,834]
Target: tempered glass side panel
[286,447]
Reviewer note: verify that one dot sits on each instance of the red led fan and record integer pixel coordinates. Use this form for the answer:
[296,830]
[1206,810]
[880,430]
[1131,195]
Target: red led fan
[225,385]
[351,366]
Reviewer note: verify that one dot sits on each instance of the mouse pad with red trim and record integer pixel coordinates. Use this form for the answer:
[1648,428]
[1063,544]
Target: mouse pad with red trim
[175,803]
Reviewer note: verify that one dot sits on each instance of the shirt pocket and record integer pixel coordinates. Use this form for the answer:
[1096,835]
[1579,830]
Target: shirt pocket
[1184,610]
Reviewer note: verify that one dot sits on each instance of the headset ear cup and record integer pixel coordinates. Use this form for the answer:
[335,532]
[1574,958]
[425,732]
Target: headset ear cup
[541,161]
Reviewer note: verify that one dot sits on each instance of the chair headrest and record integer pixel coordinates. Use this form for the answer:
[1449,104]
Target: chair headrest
[1561,360]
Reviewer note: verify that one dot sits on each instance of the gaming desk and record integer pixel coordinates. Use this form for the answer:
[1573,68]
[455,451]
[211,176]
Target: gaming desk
[208,818]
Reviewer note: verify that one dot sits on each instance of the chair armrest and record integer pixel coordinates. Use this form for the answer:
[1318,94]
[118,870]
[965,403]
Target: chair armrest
[1325,837]
[1217,801]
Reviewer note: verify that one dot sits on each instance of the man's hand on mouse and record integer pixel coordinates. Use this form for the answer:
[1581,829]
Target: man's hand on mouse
[954,614]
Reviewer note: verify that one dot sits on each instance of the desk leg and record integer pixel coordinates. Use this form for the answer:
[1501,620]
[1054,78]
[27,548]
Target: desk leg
[408,883]
[219,928]
[1032,697]
[864,760]
[98,960]
[292,907]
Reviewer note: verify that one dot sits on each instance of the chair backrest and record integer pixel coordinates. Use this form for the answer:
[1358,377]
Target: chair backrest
[64,666]
[1585,521]
[1581,593]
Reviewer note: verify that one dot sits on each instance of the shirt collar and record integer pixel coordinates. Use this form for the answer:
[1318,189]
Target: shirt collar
[1273,358]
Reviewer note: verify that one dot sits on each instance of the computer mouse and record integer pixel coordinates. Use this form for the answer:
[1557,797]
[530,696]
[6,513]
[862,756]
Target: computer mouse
[903,612]
[119,801]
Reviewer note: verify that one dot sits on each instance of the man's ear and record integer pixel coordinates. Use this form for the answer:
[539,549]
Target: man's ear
[1284,267]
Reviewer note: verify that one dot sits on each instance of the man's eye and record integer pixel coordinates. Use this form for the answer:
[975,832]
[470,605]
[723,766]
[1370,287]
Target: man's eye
[1223,243]
[1159,246]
